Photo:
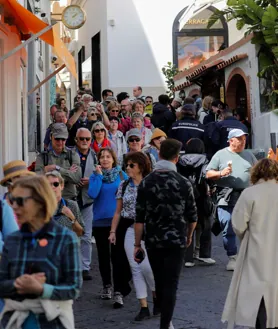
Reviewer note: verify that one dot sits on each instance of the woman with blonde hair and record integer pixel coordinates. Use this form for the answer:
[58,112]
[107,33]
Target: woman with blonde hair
[206,107]
[113,109]
[100,137]
[67,213]
[252,299]
[40,266]
[137,121]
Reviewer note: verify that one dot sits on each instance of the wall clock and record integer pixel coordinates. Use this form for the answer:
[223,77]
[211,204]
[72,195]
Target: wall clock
[73,17]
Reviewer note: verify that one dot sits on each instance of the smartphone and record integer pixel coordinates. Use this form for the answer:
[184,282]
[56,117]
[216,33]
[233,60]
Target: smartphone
[140,255]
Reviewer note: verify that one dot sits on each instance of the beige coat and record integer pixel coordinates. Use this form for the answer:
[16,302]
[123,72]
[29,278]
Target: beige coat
[255,221]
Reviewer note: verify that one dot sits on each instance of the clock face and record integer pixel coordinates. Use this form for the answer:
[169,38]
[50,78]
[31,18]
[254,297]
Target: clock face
[73,17]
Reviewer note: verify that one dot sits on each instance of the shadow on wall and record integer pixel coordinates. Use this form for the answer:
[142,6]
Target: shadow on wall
[131,57]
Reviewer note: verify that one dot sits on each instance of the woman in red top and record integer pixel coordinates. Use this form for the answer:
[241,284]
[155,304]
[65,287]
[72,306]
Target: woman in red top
[100,140]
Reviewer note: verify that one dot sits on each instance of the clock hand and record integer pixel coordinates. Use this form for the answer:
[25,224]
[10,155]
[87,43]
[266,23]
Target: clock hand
[74,15]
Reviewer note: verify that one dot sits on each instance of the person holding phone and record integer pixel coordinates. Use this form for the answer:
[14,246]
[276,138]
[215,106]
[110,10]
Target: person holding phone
[137,167]
[103,186]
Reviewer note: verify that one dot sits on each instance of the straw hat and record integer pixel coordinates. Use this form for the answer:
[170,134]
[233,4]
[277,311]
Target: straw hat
[13,169]
[158,133]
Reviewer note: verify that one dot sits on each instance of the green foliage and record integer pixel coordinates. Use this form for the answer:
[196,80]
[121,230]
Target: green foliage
[260,17]
[169,72]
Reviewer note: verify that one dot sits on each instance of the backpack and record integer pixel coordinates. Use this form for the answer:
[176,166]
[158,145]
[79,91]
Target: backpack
[200,187]
[46,157]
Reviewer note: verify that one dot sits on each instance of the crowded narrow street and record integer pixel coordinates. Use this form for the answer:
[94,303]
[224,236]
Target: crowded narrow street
[200,299]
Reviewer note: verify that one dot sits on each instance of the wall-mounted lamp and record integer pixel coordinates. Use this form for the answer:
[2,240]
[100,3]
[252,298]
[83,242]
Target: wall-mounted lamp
[111,22]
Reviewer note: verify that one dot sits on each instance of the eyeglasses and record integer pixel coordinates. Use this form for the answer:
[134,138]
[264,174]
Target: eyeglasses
[19,200]
[92,114]
[99,130]
[60,139]
[132,140]
[55,184]
[82,139]
[130,165]
[115,111]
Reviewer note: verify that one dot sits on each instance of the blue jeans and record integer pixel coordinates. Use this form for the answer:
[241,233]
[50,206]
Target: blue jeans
[229,237]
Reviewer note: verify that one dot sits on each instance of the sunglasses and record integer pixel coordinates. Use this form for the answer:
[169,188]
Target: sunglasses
[130,165]
[19,200]
[92,114]
[132,140]
[99,130]
[55,184]
[115,111]
[60,139]
[84,138]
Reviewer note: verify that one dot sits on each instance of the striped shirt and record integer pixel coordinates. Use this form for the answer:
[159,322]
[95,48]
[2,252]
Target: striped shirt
[58,257]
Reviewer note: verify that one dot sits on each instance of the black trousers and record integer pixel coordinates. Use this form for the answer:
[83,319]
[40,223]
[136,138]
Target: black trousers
[262,317]
[116,255]
[205,240]
[166,265]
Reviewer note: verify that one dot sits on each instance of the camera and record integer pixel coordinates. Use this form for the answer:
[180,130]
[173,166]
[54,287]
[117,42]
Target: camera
[53,59]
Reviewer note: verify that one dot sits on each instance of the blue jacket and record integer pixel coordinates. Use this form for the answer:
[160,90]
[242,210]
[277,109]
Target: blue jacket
[185,129]
[104,195]
[222,128]
[9,224]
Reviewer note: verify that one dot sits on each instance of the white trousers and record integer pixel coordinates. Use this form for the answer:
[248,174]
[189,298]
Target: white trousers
[142,274]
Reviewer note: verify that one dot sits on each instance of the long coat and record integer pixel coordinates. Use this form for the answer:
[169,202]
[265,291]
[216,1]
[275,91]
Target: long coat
[255,221]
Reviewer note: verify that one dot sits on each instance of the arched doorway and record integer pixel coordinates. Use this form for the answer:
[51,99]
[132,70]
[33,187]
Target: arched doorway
[236,94]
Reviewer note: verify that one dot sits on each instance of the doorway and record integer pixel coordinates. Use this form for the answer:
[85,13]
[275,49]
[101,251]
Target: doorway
[96,67]
[236,94]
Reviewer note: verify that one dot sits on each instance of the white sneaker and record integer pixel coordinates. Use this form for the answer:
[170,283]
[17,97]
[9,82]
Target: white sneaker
[189,264]
[171,325]
[93,240]
[232,263]
[196,253]
[208,261]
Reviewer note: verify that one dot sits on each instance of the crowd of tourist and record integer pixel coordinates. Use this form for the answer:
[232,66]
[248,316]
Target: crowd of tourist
[149,182]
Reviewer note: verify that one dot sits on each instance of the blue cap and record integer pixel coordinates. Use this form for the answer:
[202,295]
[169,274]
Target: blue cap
[236,133]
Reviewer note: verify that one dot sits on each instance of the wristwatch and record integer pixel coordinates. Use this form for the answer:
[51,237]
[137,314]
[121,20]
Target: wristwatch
[58,168]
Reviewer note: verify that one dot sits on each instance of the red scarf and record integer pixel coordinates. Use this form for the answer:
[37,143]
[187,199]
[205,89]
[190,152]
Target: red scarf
[105,143]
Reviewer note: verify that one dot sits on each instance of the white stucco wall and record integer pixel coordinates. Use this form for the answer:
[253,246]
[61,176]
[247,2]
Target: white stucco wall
[96,22]
[135,49]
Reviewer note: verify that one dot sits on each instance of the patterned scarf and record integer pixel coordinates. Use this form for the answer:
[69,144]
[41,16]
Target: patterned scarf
[105,143]
[109,176]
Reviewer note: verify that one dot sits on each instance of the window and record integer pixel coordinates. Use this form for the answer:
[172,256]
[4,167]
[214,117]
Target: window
[193,43]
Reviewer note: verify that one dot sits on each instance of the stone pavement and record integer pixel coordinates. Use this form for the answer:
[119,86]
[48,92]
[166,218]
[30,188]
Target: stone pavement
[201,295]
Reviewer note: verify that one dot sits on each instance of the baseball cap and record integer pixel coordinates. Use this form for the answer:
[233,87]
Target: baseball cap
[110,99]
[59,130]
[134,132]
[236,133]
[189,108]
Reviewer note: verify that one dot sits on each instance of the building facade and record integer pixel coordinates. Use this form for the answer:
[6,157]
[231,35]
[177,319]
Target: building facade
[229,73]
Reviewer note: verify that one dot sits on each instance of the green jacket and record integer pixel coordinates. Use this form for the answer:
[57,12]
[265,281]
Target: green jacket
[71,178]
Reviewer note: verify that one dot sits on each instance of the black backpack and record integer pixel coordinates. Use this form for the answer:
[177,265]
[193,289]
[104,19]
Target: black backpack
[45,155]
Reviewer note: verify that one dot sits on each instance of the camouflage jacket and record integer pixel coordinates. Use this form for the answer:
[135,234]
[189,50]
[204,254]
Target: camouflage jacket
[165,202]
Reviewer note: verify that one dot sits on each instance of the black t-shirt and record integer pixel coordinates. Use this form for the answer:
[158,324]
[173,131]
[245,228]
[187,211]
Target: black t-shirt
[72,133]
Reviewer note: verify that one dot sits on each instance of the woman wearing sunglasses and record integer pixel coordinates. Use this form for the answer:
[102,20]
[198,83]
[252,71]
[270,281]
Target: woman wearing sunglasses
[103,185]
[117,138]
[67,213]
[100,137]
[40,267]
[137,166]
[113,109]
[137,121]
